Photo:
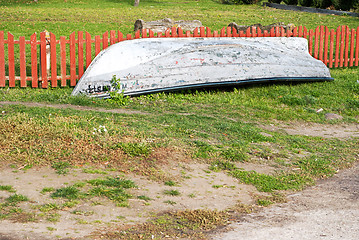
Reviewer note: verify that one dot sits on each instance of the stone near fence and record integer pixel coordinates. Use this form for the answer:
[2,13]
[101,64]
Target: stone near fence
[243,28]
[333,116]
[164,24]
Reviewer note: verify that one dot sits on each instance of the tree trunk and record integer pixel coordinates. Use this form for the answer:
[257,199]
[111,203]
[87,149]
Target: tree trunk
[136,3]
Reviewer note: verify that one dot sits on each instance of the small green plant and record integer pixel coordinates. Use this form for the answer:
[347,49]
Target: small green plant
[70,204]
[172,192]
[117,97]
[7,188]
[217,186]
[113,182]
[264,202]
[135,149]
[47,189]
[145,198]
[170,183]
[170,202]
[83,213]
[192,195]
[61,167]
[94,171]
[219,165]
[49,207]
[16,198]
[70,192]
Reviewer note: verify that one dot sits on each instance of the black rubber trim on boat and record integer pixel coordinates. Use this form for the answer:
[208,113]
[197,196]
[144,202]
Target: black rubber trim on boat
[309,9]
[229,83]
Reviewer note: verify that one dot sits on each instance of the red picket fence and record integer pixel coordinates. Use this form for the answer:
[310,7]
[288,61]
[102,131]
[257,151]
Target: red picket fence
[39,61]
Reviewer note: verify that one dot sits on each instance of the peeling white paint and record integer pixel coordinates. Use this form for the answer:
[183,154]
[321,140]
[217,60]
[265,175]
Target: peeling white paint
[152,64]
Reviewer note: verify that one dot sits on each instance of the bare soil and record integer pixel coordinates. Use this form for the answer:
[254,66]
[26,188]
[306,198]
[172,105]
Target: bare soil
[329,210]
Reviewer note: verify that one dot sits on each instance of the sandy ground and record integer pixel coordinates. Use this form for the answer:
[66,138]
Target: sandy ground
[329,210]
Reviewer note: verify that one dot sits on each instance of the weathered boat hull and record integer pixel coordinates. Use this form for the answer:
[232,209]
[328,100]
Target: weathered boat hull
[153,65]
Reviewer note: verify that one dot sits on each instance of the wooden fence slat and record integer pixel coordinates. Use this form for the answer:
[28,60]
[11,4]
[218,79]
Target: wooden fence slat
[351,58]
[2,59]
[11,57]
[346,51]
[254,32]
[295,32]
[277,31]
[105,40]
[144,33]
[208,32]
[63,60]
[113,36]
[128,36]
[337,41]
[310,43]
[215,33]
[202,32]
[168,33]
[223,32]
[229,33]
[34,73]
[321,42]
[282,32]
[180,32]
[137,34]
[331,48]
[43,61]
[53,60]
[97,45]
[72,59]
[120,36]
[88,49]
[316,42]
[173,32]
[357,48]
[326,36]
[195,32]
[260,34]
[289,33]
[22,61]
[342,46]
[234,32]
[305,32]
[248,32]
[272,32]
[80,48]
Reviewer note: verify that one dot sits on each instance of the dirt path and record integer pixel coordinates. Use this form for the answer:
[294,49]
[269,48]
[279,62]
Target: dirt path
[329,210]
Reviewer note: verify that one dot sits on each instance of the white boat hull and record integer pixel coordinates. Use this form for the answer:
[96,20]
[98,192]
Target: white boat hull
[165,64]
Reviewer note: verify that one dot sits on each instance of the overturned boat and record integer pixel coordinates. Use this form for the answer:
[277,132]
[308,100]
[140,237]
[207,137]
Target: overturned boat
[164,64]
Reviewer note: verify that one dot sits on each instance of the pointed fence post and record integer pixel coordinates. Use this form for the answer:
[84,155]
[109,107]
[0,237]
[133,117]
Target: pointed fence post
[2,59]
[34,57]
[22,62]
[53,62]
[11,56]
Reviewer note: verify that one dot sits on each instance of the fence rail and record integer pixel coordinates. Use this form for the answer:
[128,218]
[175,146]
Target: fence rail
[50,61]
